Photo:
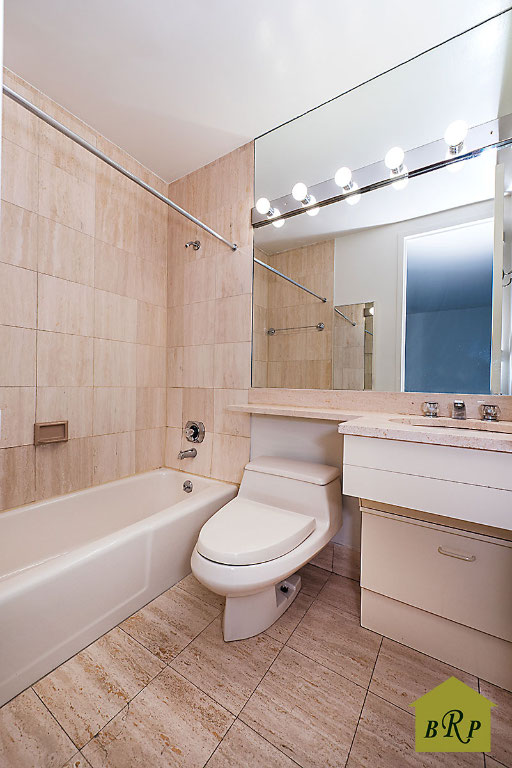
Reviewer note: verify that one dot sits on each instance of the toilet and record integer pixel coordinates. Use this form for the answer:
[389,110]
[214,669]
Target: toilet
[284,514]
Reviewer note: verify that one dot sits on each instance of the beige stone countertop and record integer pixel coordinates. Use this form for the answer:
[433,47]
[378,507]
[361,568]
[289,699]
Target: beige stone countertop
[391,426]
[394,426]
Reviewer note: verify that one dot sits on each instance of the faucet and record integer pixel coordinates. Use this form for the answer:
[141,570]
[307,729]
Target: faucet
[490,412]
[459,409]
[190,454]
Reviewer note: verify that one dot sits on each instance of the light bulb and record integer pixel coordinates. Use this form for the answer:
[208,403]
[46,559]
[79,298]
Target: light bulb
[299,191]
[263,205]
[277,224]
[455,134]
[353,199]
[312,211]
[394,159]
[343,177]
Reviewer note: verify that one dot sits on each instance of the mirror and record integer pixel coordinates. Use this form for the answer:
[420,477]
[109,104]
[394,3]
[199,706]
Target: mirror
[415,274]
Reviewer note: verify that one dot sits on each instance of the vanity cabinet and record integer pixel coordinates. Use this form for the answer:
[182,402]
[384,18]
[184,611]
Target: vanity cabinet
[436,549]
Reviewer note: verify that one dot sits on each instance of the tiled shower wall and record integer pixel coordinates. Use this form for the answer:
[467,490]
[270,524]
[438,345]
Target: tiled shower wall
[209,316]
[83,293]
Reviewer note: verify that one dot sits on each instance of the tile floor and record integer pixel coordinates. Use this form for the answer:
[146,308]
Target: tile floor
[163,689]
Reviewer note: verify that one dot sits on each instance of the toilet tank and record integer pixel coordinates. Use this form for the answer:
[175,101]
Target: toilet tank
[300,486]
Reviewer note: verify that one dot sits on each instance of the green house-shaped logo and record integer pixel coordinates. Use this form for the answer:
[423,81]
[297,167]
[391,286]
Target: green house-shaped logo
[453,718]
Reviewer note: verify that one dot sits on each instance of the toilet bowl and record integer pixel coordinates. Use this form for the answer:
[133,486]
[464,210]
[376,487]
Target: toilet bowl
[284,514]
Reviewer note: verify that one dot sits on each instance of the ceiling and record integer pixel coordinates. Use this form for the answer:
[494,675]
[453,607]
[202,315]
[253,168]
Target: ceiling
[178,84]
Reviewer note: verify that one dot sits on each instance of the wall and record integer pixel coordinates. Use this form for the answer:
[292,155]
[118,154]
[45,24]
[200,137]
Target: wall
[368,267]
[83,288]
[210,316]
[299,358]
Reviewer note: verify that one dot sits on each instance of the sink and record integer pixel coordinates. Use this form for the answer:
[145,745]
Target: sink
[445,421]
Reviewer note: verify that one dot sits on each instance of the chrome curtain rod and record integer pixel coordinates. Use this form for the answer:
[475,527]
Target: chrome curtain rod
[90,148]
[285,277]
[273,331]
[339,312]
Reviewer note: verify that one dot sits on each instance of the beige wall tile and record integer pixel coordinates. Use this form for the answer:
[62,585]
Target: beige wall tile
[17,476]
[64,252]
[114,363]
[175,367]
[174,407]
[64,306]
[228,422]
[18,296]
[233,365]
[199,281]
[65,199]
[150,282]
[199,323]
[230,455]
[149,449]
[233,319]
[61,152]
[151,324]
[172,447]
[151,409]
[73,404]
[202,463]
[151,366]
[115,317]
[19,176]
[18,232]
[18,347]
[113,457]
[151,238]
[116,214]
[63,467]
[113,410]
[115,270]
[198,367]
[64,360]
[198,406]
[19,125]
[18,405]
[176,326]
[233,275]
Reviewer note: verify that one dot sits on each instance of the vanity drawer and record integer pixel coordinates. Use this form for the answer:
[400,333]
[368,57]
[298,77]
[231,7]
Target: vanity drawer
[454,574]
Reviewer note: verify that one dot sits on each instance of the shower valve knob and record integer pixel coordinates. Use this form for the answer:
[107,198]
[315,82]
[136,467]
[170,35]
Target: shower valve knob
[194,431]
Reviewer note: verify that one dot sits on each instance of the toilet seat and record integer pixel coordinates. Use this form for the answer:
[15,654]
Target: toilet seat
[246,532]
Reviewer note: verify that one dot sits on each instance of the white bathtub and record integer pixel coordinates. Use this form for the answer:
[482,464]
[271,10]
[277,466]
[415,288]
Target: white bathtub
[74,566]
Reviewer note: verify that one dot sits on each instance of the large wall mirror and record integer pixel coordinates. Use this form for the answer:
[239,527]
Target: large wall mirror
[407,286]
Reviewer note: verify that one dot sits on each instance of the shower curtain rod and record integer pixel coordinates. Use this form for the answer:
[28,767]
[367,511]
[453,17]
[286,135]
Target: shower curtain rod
[285,277]
[90,148]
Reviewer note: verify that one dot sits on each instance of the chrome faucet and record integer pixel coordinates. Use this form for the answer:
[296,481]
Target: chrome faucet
[490,412]
[190,454]
[459,409]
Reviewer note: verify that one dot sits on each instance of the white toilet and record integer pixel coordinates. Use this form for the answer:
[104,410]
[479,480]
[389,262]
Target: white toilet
[285,512]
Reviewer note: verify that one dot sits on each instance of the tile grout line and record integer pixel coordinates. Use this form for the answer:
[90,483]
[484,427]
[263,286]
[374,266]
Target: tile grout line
[364,702]
[54,718]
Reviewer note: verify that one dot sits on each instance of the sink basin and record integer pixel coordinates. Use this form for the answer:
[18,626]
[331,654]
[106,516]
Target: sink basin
[444,421]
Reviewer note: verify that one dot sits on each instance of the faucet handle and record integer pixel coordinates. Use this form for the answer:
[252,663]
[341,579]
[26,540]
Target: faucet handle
[459,409]
[431,408]
[490,412]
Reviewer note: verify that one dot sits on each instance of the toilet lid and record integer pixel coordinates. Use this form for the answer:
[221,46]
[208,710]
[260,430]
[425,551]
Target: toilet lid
[246,532]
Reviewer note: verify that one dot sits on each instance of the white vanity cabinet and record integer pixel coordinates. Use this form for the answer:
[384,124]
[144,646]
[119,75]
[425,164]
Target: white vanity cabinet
[436,549]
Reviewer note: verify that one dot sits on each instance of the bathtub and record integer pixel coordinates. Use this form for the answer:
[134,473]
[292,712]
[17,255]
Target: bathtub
[74,566]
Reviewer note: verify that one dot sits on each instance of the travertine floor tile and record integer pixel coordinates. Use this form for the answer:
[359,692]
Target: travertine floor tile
[166,625]
[324,558]
[170,723]
[402,675]
[30,737]
[501,722]
[335,639]
[228,672]
[194,587]
[241,747]
[346,562]
[284,626]
[77,761]
[307,711]
[85,692]
[313,579]
[343,593]
[385,738]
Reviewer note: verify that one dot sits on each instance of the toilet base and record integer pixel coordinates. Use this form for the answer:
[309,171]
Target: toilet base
[251,614]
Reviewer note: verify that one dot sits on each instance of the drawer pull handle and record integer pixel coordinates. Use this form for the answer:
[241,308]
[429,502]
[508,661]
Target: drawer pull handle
[467,558]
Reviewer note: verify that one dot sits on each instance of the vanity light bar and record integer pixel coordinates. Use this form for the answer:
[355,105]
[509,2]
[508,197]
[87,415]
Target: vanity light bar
[479,139]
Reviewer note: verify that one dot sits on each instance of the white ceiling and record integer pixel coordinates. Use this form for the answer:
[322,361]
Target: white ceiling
[178,84]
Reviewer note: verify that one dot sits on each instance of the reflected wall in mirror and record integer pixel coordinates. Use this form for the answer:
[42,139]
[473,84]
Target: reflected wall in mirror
[407,285]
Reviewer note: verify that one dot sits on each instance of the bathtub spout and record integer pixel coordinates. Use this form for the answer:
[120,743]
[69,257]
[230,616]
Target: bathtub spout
[190,454]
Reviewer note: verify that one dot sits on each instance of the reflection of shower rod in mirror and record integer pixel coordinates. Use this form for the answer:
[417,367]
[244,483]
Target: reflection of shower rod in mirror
[273,331]
[459,144]
[338,312]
